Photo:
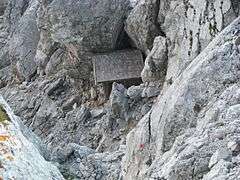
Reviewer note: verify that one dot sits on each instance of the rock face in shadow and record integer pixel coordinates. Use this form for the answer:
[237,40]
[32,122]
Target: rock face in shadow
[23,42]
[3,5]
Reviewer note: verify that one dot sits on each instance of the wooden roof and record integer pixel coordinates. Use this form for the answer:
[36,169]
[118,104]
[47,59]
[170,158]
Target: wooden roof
[119,65]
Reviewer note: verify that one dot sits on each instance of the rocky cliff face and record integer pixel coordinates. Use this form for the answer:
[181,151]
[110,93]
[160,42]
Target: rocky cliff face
[180,123]
[184,128]
[20,158]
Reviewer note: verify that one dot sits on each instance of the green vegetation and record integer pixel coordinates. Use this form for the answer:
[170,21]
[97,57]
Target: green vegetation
[3,116]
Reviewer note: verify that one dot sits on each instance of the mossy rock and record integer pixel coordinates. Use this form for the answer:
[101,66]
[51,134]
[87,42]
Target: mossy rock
[4,118]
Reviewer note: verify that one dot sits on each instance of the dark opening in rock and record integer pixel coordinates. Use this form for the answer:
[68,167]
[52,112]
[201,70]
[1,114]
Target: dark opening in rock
[3,5]
[124,41]
[24,7]
[127,83]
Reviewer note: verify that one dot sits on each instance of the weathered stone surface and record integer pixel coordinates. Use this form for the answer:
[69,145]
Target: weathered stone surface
[52,109]
[152,89]
[3,5]
[190,26]
[220,154]
[142,24]
[194,101]
[95,113]
[19,157]
[8,23]
[84,163]
[156,62]
[88,25]
[134,2]
[233,145]
[6,74]
[220,171]
[119,101]
[56,62]
[192,130]
[23,42]
[135,92]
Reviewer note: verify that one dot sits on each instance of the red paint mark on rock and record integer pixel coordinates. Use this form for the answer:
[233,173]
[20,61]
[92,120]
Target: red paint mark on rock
[141,146]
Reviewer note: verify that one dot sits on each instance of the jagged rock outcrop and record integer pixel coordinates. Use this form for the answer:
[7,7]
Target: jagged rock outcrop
[88,25]
[53,110]
[190,133]
[186,28]
[84,163]
[80,27]
[190,25]
[19,38]
[3,36]
[19,157]
[23,42]
[156,147]
[142,24]
[204,152]
[156,61]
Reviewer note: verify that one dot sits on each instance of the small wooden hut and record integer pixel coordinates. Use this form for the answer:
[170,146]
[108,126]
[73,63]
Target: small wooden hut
[122,66]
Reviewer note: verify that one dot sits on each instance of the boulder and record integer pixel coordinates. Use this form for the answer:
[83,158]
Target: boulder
[87,25]
[135,92]
[118,101]
[142,24]
[156,62]
[152,89]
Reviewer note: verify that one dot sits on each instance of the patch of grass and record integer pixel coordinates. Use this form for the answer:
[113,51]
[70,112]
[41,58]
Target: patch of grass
[4,118]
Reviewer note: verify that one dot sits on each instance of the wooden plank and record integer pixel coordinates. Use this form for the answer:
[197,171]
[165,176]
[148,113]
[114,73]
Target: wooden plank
[119,65]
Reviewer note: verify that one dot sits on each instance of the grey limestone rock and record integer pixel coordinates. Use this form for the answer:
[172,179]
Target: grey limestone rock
[156,62]
[118,101]
[142,24]
[23,42]
[88,25]
[190,25]
[212,77]
[20,158]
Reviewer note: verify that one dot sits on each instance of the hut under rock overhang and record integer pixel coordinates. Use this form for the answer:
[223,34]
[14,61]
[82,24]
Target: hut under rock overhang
[123,66]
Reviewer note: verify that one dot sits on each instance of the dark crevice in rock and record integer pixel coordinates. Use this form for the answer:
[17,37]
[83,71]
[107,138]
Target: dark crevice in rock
[124,41]
[166,61]
[25,6]
[199,45]
[33,76]
[157,24]
[52,50]
[149,127]
[236,7]
[3,6]
[197,108]
[223,19]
